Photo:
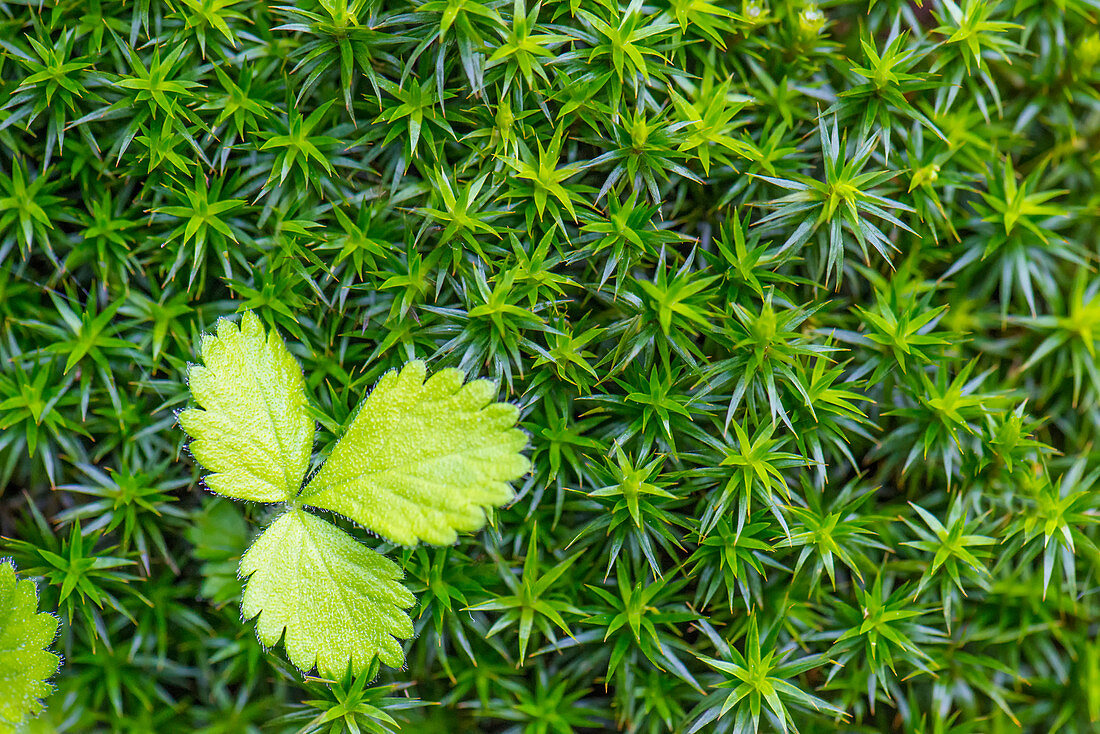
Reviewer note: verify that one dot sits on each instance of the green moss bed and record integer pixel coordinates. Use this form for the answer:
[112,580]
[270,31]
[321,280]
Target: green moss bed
[798,303]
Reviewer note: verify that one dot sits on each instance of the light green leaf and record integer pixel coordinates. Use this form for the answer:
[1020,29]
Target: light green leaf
[253,431]
[25,664]
[338,601]
[423,460]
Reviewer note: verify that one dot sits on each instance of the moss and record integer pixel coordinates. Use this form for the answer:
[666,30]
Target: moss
[796,302]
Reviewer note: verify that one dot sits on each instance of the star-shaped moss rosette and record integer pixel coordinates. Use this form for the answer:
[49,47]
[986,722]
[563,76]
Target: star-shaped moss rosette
[423,459]
[25,664]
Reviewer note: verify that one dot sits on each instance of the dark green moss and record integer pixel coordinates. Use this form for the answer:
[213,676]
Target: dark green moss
[798,302]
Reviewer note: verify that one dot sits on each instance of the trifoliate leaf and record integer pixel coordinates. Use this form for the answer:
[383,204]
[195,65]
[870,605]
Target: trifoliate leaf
[253,431]
[25,664]
[338,601]
[422,460]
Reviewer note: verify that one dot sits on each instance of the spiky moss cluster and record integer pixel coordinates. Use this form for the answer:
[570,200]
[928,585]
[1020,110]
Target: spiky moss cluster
[798,302]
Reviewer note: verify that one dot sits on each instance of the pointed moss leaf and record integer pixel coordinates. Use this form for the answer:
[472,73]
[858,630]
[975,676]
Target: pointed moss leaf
[423,460]
[25,664]
[252,430]
[338,601]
